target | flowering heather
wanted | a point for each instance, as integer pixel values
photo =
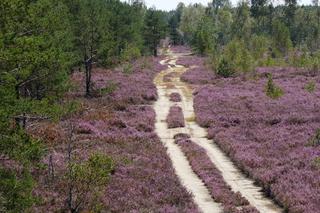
(144, 180)
(175, 97)
(189, 61)
(175, 118)
(268, 138)
(198, 75)
(139, 83)
(212, 178)
(122, 126)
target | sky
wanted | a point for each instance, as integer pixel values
(171, 4)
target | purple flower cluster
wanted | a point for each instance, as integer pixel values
(268, 138)
(175, 118)
(212, 178)
(197, 73)
(175, 97)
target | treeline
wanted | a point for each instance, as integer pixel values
(41, 42)
(255, 33)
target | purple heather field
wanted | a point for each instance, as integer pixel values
(267, 138)
(120, 123)
(212, 178)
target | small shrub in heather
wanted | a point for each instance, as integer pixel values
(175, 118)
(175, 97)
(211, 176)
(315, 140)
(272, 90)
(316, 162)
(224, 69)
(310, 86)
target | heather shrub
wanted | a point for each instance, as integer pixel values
(175, 97)
(211, 176)
(315, 140)
(272, 90)
(225, 68)
(175, 118)
(180, 136)
(311, 86)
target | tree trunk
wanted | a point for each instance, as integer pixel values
(88, 67)
(17, 89)
(155, 52)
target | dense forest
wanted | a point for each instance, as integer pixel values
(252, 34)
(44, 44)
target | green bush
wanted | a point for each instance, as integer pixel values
(237, 53)
(16, 190)
(281, 37)
(225, 69)
(310, 87)
(315, 140)
(314, 66)
(259, 46)
(300, 58)
(272, 90)
(316, 162)
(89, 177)
(130, 53)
